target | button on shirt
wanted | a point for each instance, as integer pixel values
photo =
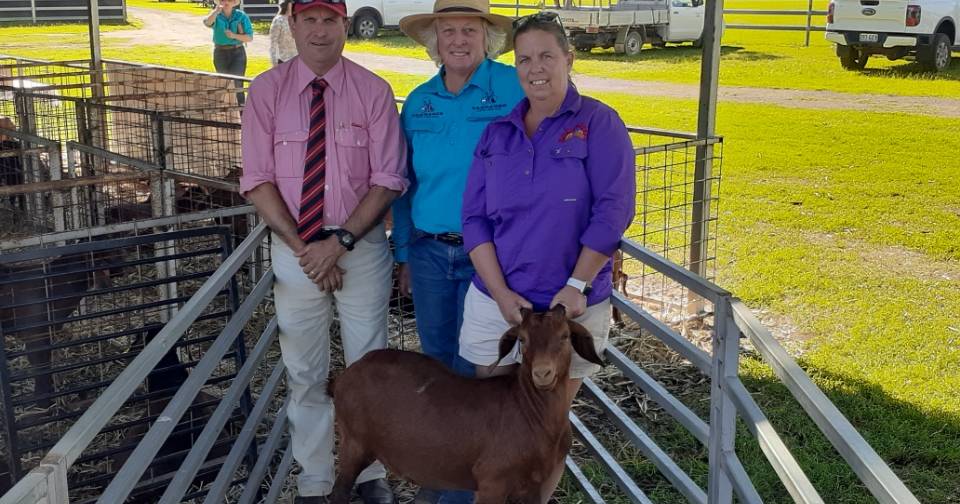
(238, 22)
(540, 200)
(365, 146)
(442, 130)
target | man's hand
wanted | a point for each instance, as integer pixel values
(572, 299)
(319, 262)
(510, 303)
(403, 280)
(229, 34)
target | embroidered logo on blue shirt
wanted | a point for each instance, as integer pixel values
(426, 110)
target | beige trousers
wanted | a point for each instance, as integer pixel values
(304, 314)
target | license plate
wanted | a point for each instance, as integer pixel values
(869, 37)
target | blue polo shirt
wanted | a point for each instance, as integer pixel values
(442, 130)
(236, 21)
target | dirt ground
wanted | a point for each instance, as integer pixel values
(171, 28)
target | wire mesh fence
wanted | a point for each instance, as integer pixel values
(72, 317)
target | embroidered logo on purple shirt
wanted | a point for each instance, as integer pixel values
(578, 131)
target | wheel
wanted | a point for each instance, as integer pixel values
(633, 43)
(936, 56)
(852, 59)
(366, 25)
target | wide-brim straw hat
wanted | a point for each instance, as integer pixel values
(414, 25)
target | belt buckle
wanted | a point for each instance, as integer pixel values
(452, 238)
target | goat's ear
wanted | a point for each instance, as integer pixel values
(507, 342)
(583, 343)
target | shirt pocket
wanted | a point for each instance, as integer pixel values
(353, 144)
(289, 149)
(508, 183)
(568, 180)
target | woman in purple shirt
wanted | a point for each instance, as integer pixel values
(550, 193)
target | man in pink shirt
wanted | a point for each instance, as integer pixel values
(323, 158)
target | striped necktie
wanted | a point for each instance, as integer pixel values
(314, 168)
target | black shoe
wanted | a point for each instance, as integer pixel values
(375, 492)
(313, 499)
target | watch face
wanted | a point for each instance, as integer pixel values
(346, 238)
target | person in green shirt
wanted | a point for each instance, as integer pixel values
(231, 29)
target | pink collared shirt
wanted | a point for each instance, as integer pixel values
(365, 145)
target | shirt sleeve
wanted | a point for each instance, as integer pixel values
(611, 165)
(388, 149)
(402, 209)
(257, 130)
(247, 25)
(477, 228)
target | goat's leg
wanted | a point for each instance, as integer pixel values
(354, 458)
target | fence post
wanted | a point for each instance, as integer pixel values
(33, 11)
(723, 413)
(809, 22)
(57, 481)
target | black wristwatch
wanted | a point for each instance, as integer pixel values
(346, 238)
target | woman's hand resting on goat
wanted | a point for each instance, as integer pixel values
(571, 299)
(510, 304)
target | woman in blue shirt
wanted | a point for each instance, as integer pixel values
(231, 29)
(442, 120)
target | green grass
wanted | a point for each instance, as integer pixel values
(182, 6)
(749, 58)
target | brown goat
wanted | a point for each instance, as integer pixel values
(501, 436)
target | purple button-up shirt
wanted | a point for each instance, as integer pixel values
(540, 200)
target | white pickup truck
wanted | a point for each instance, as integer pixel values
(626, 25)
(923, 29)
(368, 16)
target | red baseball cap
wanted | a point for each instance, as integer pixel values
(337, 6)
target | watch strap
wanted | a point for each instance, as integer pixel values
(580, 285)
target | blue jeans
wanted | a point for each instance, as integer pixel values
(440, 275)
(232, 61)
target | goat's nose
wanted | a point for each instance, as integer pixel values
(543, 374)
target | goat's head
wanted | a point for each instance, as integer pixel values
(546, 340)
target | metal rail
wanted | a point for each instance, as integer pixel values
(48, 481)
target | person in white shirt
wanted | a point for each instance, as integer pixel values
(282, 46)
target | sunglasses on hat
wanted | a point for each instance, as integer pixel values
(540, 17)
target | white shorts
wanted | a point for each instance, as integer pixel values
(483, 325)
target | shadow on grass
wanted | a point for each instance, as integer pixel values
(922, 449)
(914, 70)
(392, 39)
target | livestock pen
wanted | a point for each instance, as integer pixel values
(128, 176)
